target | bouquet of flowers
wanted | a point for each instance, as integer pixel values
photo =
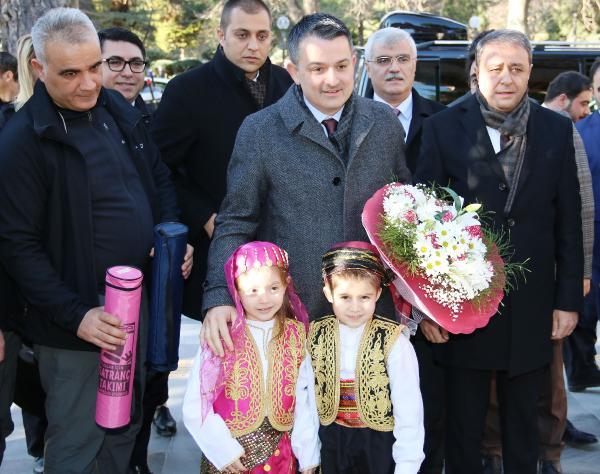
(447, 265)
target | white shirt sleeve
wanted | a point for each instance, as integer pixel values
(212, 436)
(409, 432)
(305, 434)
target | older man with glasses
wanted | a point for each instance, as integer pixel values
(391, 56)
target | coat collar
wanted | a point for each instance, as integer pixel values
(475, 128)
(421, 109)
(298, 119)
(48, 123)
(235, 76)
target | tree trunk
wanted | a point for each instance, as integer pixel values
(18, 16)
(517, 15)
(311, 6)
(294, 11)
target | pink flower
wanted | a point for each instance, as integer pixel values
(410, 216)
(474, 231)
(447, 217)
(434, 241)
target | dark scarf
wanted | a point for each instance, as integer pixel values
(512, 125)
(258, 88)
(341, 136)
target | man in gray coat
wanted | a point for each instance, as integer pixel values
(302, 170)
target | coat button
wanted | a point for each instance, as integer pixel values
(510, 222)
(267, 468)
(502, 186)
(336, 181)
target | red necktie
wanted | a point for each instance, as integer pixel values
(398, 112)
(330, 125)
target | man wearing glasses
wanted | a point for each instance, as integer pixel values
(391, 61)
(124, 64)
(124, 67)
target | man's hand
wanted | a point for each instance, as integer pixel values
(188, 261)
(101, 329)
(1, 346)
(235, 467)
(214, 328)
(433, 332)
(586, 286)
(209, 227)
(312, 470)
(563, 323)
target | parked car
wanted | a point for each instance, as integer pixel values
(153, 90)
(441, 63)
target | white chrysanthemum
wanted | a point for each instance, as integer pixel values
(396, 203)
(476, 247)
(423, 246)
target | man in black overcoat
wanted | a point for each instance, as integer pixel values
(199, 116)
(517, 159)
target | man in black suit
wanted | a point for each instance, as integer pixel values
(198, 118)
(391, 62)
(517, 159)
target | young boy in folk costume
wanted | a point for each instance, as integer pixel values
(240, 409)
(366, 375)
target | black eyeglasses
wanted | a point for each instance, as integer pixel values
(117, 64)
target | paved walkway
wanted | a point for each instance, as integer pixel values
(179, 454)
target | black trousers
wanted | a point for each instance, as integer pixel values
(431, 377)
(355, 450)
(155, 394)
(8, 376)
(468, 396)
(579, 349)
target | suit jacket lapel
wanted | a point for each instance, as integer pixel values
(475, 128)
(418, 114)
(299, 119)
(534, 136)
(362, 122)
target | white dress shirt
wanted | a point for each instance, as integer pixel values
(320, 116)
(213, 436)
(406, 110)
(494, 138)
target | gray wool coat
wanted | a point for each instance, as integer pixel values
(287, 184)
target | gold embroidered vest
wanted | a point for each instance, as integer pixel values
(373, 397)
(244, 403)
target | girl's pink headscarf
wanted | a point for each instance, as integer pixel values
(246, 257)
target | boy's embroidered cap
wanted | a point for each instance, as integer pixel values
(354, 255)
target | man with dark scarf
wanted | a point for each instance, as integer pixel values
(302, 170)
(517, 159)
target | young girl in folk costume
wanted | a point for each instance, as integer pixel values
(240, 409)
(366, 377)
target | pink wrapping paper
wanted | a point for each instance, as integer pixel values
(117, 368)
(471, 317)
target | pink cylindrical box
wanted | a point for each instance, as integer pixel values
(117, 368)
